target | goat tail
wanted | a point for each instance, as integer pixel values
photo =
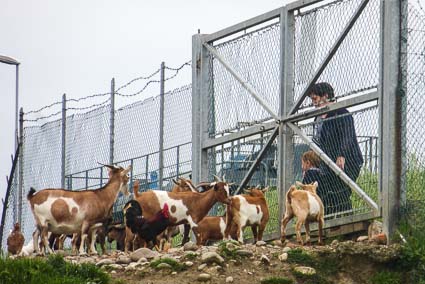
(289, 193)
(31, 193)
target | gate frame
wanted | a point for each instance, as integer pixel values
(389, 173)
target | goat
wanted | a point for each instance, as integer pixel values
(116, 233)
(212, 228)
(76, 212)
(248, 210)
(307, 206)
(185, 207)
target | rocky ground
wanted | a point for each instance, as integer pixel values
(339, 262)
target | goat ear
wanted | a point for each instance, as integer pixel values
(213, 184)
(127, 170)
(265, 189)
(216, 178)
(316, 184)
(297, 183)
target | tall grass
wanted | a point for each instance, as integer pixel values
(53, 270)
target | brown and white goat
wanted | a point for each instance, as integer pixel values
(307, 206)
(62, 211)
(185, 207)
(212, 228)
(248, 210)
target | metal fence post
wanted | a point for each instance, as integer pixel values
(390, 112)
(112, 124)
(161, 126)
(21, 164)
(285, 145)
(199, 109)
(63, 141)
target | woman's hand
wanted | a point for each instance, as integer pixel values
(340, 162)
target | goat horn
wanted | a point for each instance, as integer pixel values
(202, 184)
(175, 182)
(108, 166)
(216, 178)
(224, 178)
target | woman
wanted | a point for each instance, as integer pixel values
(335, 134)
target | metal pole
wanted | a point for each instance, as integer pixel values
(63, 140)
(16, 105)
(21, 164)
(178, 162)
(390, 113)
(112, 124)
(161, 126)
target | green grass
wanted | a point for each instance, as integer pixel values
(277, 280)
(175, 265)
(53, 270)
(386, 277)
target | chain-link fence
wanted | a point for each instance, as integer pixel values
(252, 114)
(63, 143)
(412, 91)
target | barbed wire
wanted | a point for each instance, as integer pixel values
(43, 117)
(137, 79)
(43, 108)
(90, 107)
(88, 97)
(188, 63)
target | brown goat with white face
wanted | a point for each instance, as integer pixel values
(307, 206)
(62, 211)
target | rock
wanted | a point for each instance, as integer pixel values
(143, 252)
(260, 243)
(283, 256)
(204, 277)
(244, 253)
(87, 260)
(305, 270)
(211, 257)
(229, 279)
(188, 263)
(133, 266)
(362, 238)
(190, 246)
(122, 259)
(232, 246)
(142, 260)
(115, 266)
(105, 261)
(163, 266)
(202, 266)
(277, 243)
(286, 249)
(264, 259)
(334, 243)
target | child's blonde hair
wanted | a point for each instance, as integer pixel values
(311, 157)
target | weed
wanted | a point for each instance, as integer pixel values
(175, 265)
(386, 277)
(277, 280)
(301, 257)
(229, 249)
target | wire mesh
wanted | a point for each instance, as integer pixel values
(355, 65)
(411, 91)
(255, 56)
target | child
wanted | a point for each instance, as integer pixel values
(310, 162)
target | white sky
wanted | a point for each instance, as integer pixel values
(76, 47)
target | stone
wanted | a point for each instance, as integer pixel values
(143, 252)
(283, 256)
(286, 249)
(305, 270)
(202, 266)
(190, 246)
(244, 253)
(163, 266)
(211, 257)
(188, 263)
(264, 259)
(229, 279)
(105, 261)
(115, 266)
(122, 259)
(260, 243)
(204, 277)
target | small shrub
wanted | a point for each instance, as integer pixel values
(227, 251)
(175, 265)
(386, 277)
(299, 256)
(277, 280)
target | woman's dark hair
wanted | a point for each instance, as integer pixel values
(323, 88)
